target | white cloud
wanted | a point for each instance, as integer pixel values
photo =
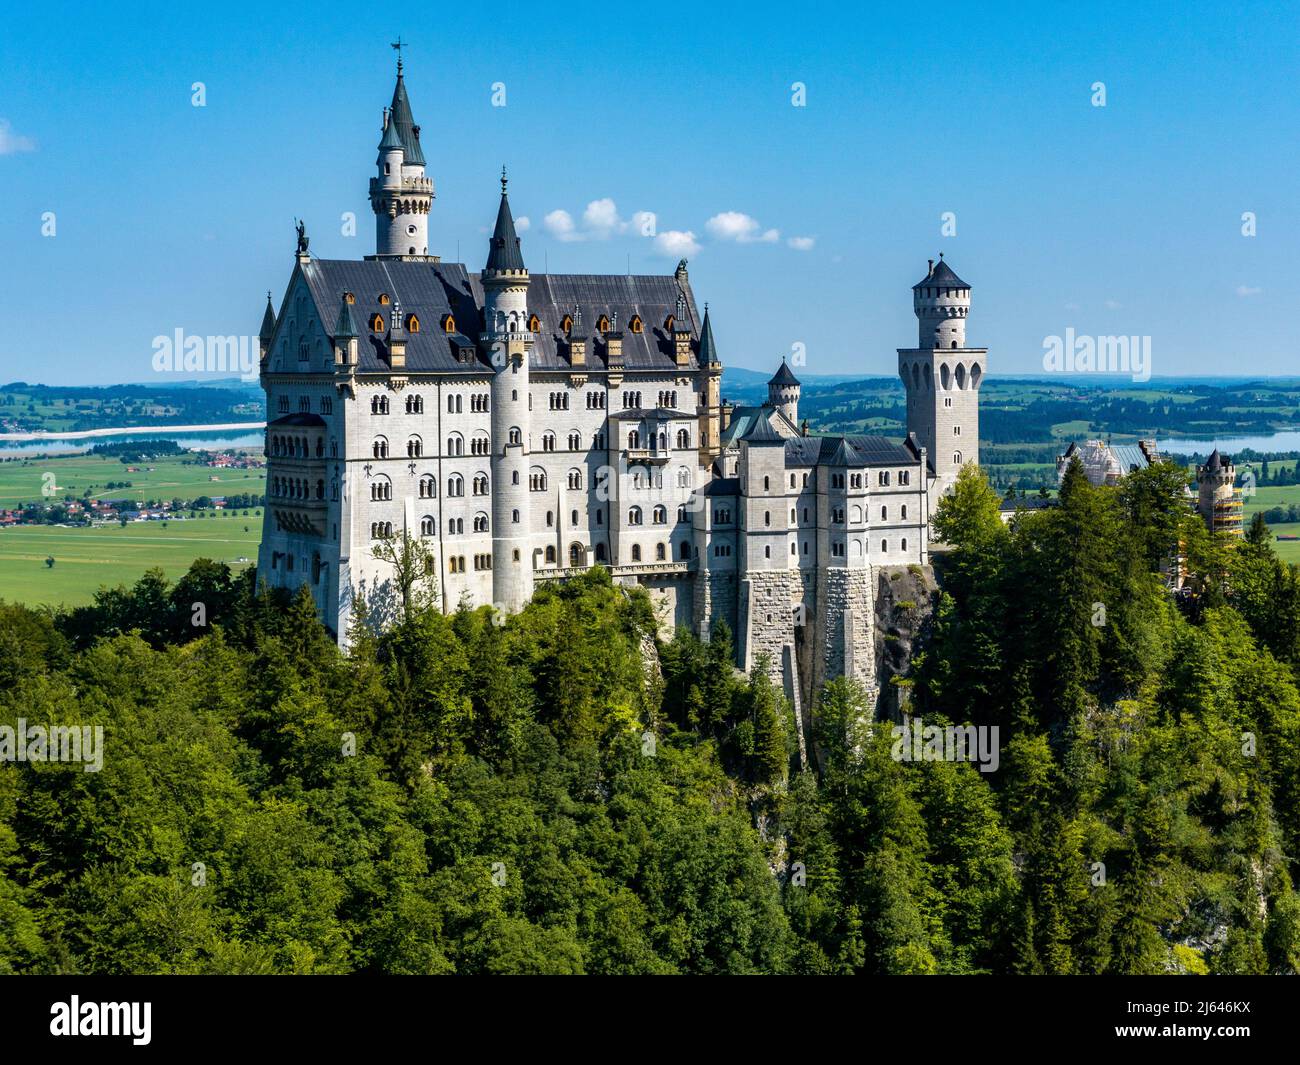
(1247, 290)
(522, 224)
(11, 143)
(802, 243)
(600, 221)
(733, 225)
(559, 224)
(676, 243)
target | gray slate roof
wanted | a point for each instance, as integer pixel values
(784, 376)
(942, 274)
(503, 245)
(433, 290)
(858, 451)
(405, 124)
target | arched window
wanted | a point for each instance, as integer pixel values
(661, 515)
(636, 552)
(633, 440)
(956, 458)
(428, 487)
(412, 323)
(537, 479)
(576, 555)
(448, 324)
(480, 523)
(427, 526)
(455, 485)
(634, 516)
(548, 441)
(550, 554)
(534, 324)
(480, 484)
(384, 299)
(515, 436)
(380, 448)
(635, 323)
(376, 323)
(602, 324)
(566, 324)
(455, 444)
(684, 441)
(660, 552)
(686, 550)
(575, 479)
(414, 448)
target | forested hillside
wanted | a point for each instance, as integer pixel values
(562, 793)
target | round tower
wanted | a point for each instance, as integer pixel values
(400, 194)
(507, 342)
(1217, 500)
(941, 301)
(783, 393)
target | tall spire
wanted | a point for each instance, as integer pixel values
(401, 118)
(268, 321)
(708, 349)
(503, 248)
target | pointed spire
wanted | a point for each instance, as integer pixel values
(400, 118)
(344, 328)
(390, 139)
(708, 349)
(503, 248)
(268, 321)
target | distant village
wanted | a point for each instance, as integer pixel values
(90, 510)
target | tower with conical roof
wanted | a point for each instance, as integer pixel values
(506, 342)
(783, 393)
(1217, 499)
(710, 389)
(942, 376)
(400, 194)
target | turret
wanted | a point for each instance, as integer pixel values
(268, 329)
(941, 301)
(345, 337)
(942, 376)
(400, 194)
(783, 393)
(712, 423)
(1218, 501)
(506, 342)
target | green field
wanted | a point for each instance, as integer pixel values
(86, 559)
(21, 480)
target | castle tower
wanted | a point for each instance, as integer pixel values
(710, 390)
(783, 393)
(942, 376)
(1218, 501)
(400, 194)
(506, 341)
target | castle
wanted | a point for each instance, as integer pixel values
(528, 426)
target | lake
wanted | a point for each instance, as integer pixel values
(194, 440)
(1285, 440)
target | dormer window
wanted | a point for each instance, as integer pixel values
(376, 323)
(412, 323)
(384, 299)
(636, 323)
(448, 324)
(534, 324)
(602, 324)
(350, 297)
(566, 324)
(669, 323)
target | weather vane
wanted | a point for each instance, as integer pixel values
(397, 46)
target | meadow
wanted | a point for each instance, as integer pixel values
(88, 558)
(21, 480)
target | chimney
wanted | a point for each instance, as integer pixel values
(396, 340)
(577, 340)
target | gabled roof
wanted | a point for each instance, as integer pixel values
(402, 120)
(432, 290)
(807, 451)
(941, 274)
(761, 432)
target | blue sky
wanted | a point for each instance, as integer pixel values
(1123, 219)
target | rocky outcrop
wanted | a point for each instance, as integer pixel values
(906, 598)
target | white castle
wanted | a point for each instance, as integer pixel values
(526, 427)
